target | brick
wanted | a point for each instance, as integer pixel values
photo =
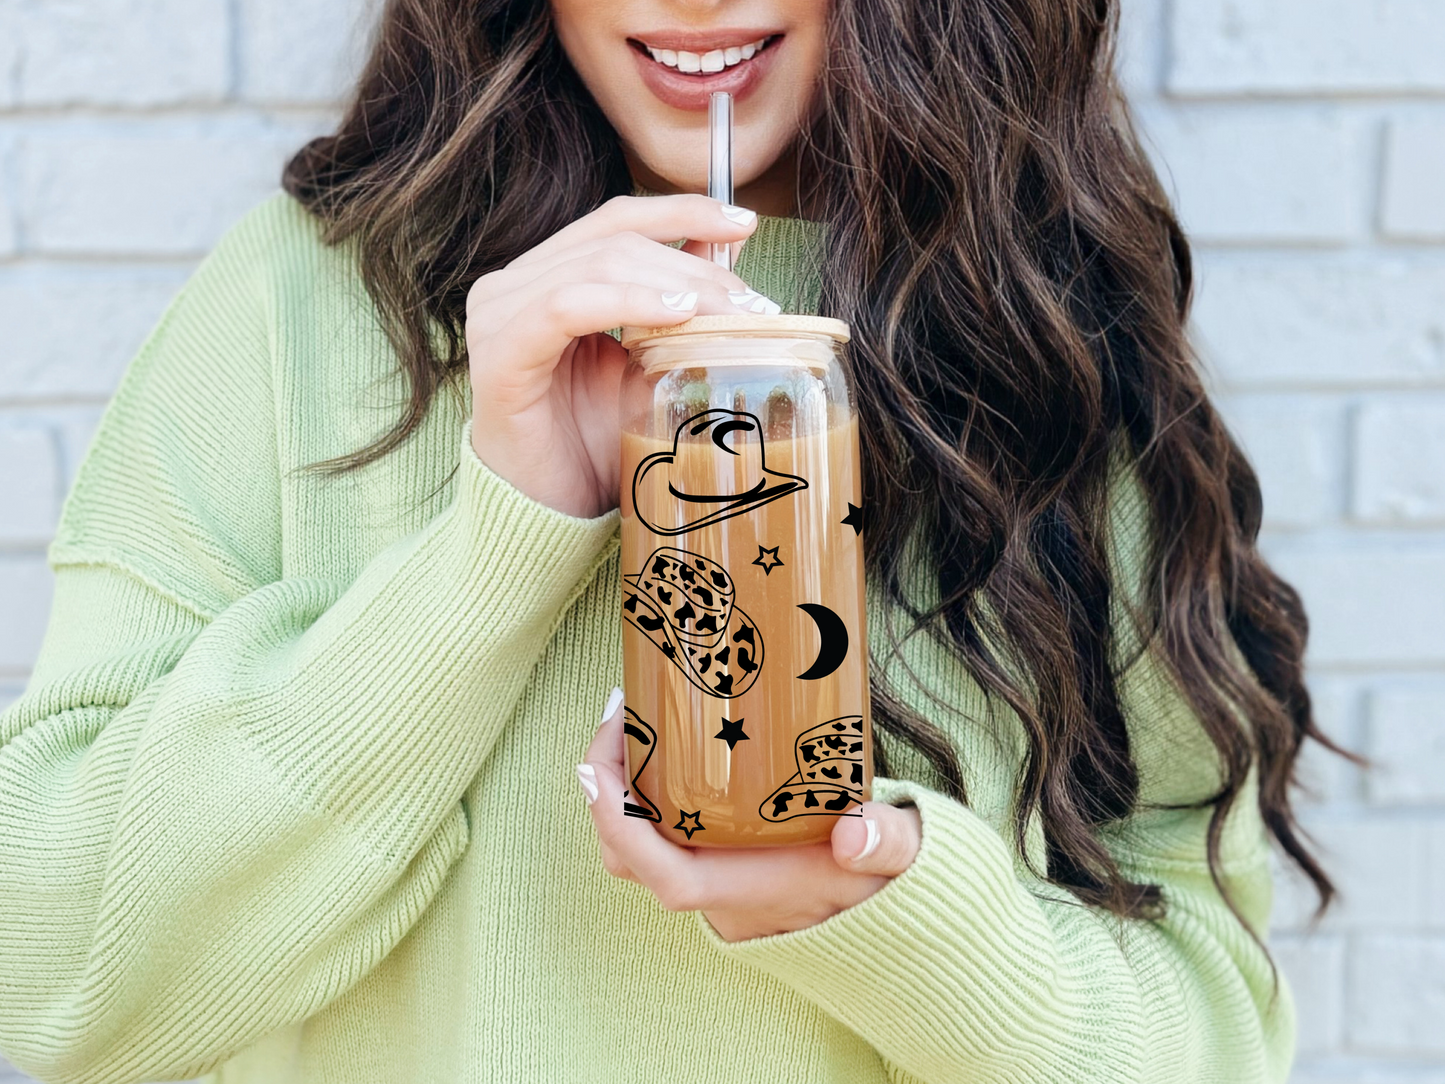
(29, 483)
(1399, 474)
(73, 424)
(155, 186)
(25, 587)
(1397, 995)
(11, 44)
(1139, 60)
(1379, 866)
(1297, 46)
(122, 52)
(1406, 742)
(1315, 969)
(9, 238)
(1435, 877)
(1412, 207)
(1375, 604)
(9, 235)
(1352, 1069)
(294, 52)
(1296, 446)
(1327, 778)
(1248, 175)
(1304, 321)
(70, 330)
(76, 427)
(11, 1075)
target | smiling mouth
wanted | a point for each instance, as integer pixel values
(708, 63)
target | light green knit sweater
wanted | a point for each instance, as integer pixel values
(290, 797)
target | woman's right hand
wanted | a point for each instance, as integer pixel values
(544, 372)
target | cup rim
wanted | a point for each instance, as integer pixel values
(750, 325)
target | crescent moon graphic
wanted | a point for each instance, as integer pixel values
(832, 641)
(722, 429)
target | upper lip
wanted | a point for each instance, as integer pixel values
(703, 41)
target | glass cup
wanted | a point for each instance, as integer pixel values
(744, 643)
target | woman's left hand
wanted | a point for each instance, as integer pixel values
(744, 892)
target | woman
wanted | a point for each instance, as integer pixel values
(291, 795)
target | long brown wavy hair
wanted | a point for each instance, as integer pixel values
(1018, 288)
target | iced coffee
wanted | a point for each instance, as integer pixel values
(743, 633)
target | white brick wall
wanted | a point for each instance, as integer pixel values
(1302, 48)
(1399, 450)
(1305, 142)
(1414, 165)
(121, 52)
(132, 133)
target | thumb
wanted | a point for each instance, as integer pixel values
(883, 841)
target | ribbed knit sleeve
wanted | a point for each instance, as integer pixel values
(970, 968)
(229, 792)
(966, 968)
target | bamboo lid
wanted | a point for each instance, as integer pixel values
(836, 330)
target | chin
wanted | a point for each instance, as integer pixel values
(681, 172)
(684, 166)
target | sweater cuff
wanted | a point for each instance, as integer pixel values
(415, 666)
(950, 970)
(546, 552)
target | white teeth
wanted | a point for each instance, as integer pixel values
(708, 63)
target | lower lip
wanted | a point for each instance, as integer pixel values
(692, 92)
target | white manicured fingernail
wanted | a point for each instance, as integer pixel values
(752, 301)
(681, 302)
(741, 215)
(870, 843)
(614, 698)
(587, 776)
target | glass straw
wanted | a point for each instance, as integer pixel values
(720, 164)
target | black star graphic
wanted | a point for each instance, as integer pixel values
(854, 518)
(768, 560)
(695, 826)
(732, 732)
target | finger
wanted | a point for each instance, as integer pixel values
(606, 748)
(497, 297)
(606, 745)
(614, 865)
(714, 293)
(883, 841)
(534, 336)
(719, 291)
(625, 247)
(607, 752)
(663, 867)
(660, 218)
(700, 249)
(713, 296)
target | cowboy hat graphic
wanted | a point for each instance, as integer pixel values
(683, 603)
(665, 503)
(829, 778)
